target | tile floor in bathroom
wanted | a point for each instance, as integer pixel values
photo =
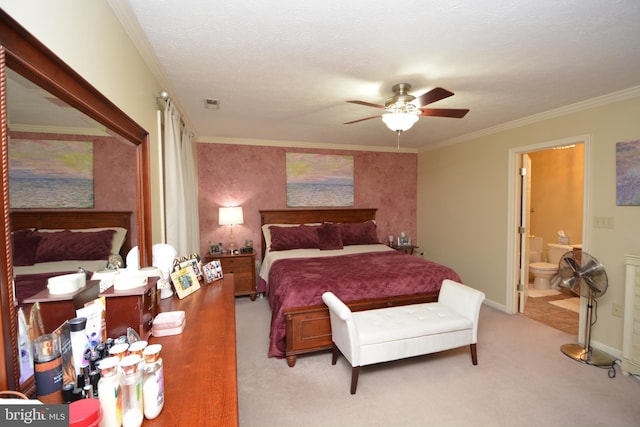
(560, 318)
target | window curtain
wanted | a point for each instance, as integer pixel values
(181, 188)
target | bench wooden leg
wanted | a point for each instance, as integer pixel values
(474, 354)
(354, 378)
(335, 351)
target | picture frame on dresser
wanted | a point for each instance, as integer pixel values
(185, 281)
(212, 271)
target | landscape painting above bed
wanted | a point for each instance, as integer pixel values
(50, 174)
(319, 180)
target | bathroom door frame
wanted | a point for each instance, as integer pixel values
(513, 217)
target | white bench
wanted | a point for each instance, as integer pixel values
(392, 333)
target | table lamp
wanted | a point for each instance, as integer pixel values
(230, 216)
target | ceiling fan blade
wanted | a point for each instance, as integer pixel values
(367, 104)
(360, 120)
(455, 113)
(432, 96)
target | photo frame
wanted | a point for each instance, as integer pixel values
(212, 271)
(404, 241)
(193, 260)
(185, 281)
(215, 248)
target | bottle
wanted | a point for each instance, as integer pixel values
(79, 342)
(152, 381)
(24, 346)
(109, 393)
(131, 386)
(48, 368)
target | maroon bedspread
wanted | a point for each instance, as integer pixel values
(301, 282)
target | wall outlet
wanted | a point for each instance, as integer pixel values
(617, 310)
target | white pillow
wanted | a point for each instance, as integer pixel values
(116, 242)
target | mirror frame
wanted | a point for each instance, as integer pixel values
(26, 55)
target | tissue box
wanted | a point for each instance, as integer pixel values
(563, 240)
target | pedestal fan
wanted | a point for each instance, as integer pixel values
(585, 277)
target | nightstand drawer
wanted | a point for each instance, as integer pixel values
(237, 263)
(242, 266)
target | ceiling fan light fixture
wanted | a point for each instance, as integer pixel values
(399, 122)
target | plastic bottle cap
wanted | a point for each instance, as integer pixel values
(85, 413)
(77, 324)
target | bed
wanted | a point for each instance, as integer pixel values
(50, 243)
(296, 270)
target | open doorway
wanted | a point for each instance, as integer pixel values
(549, 203)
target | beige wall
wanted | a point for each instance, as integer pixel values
(463, 198)
(557, 188)
(89, 38)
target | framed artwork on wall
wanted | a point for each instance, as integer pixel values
(50, 174)
(628, 173)
(319, 180)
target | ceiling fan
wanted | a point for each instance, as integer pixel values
(403, 109)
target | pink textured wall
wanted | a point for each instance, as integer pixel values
(254, 177)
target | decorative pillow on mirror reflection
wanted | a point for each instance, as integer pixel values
(24, 245)
(67, 245)
(116, 242)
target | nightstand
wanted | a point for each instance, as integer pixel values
(407, 249)
(243, 267)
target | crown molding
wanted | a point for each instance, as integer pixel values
(301, 144)
(599, 101)
(130, 24)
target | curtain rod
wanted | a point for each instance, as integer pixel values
(161, 100)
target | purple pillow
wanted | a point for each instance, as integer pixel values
(300, 237)
(68, 245)
(359, 233)
(329, 237)
(25, 245)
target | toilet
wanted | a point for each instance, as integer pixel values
(543, 272)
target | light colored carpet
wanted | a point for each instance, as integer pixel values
(537, 293)
(522, 379)
(572, 304)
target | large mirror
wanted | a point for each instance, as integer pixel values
(42, 99)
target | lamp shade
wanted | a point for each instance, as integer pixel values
(399, 122)
(230, 216)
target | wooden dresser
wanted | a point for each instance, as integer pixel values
(200, 373)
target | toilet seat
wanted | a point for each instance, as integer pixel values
(542, 266)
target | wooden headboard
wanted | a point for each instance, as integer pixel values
(74, 220)
(306, 216)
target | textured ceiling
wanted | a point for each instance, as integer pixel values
(283, 70)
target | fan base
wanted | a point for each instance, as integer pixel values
(594, 357)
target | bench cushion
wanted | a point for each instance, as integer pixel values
(405, 322)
